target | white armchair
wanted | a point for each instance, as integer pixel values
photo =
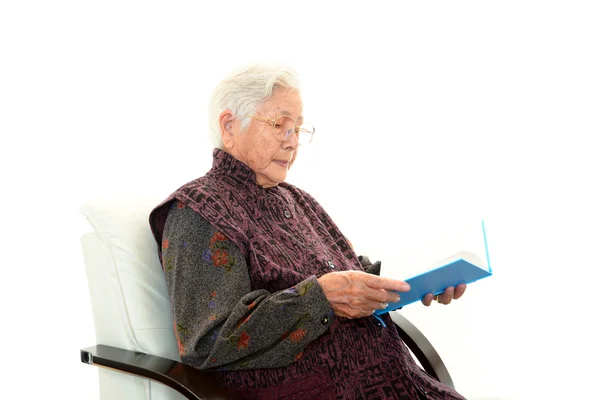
(136, 345)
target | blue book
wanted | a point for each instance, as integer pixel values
(461, 267)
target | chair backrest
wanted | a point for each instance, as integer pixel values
(128, 292)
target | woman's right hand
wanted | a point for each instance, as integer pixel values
(356, 294)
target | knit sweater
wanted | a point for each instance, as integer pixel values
(241, 264)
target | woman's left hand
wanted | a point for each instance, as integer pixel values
(451, 293)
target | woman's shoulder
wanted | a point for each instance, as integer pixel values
(200, 188)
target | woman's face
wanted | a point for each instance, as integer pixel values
(269, 157)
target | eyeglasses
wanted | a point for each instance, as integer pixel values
(284, 127)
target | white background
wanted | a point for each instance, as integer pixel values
(478, 106)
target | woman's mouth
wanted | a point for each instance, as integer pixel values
(283, 163)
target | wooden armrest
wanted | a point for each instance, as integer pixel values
(192, 383)
(422, 349)
(195, 384)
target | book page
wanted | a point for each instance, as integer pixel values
(425, 243)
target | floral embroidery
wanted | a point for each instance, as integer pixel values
(165, 244)
(298, 356)
(180, 205)
(251, 305)
(240, 341)
(243, 321)
(301, 290)
(207, 255)
(243, 340)
(180, 331)
(217, 237)
(304, 288)
(169, 264)
(211, 300)
(212, 304)
(213, 360)
(220, 258)
(218, 253)
(297, 335)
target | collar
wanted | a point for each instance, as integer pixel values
(239, 172)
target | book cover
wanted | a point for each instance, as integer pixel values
(464, 266)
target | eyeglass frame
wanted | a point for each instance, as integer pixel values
(288, 134)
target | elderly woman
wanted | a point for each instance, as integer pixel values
(264, 287)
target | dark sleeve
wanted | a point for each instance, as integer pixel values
(219, 321)
(371, 268)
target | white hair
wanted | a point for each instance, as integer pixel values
(244, 91)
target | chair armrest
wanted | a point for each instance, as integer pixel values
(192, 383)
(422, 349)
(195, 384)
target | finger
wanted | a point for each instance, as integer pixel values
(377, 282)
(447, 296)
(367, 312)
(427, 299)
(365, 304)
(381, 295)
(459, 290)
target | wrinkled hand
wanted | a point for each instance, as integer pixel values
(356, 294)
(447, 296)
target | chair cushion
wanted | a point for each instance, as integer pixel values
(129, 294)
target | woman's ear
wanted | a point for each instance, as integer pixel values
(226, 123)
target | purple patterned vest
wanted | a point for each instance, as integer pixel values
(286, 237)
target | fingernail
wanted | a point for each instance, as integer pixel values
(384, 305)
(397, 299)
